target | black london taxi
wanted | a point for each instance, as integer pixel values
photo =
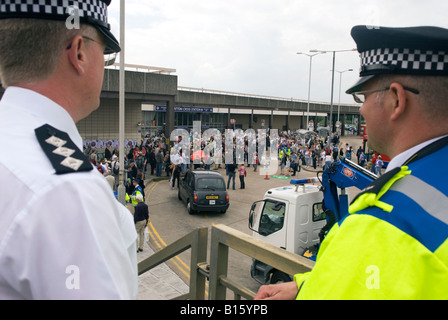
(203, 190)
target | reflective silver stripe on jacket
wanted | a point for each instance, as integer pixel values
(426, 196)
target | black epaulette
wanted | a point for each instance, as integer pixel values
(64, 155)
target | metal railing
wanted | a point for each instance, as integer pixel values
(223, 238)
(252, 95)
(148, 69)
(197, 241)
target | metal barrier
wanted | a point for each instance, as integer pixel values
(223, 238)
(197, 241)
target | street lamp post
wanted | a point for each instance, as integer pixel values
(332, 79)
(309, 85)
(340, 87)
(121, 187)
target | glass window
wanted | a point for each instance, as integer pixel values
(318, 212)
(187, 179)
(218, 121)
(206, 119)
(211, 184)
(272, 217)
(183, 119)
(191, 181)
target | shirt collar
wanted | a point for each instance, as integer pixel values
(41, 107)
(400, 159)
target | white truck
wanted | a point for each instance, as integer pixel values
(297, 217)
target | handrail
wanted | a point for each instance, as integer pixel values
(149, 69)
(223, 238)
(252, 95)
(197, 241)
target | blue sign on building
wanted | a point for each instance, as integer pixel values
(186, 109)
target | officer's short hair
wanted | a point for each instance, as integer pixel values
(30, 48)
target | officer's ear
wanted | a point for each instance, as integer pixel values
(76, 53)
(397, 101)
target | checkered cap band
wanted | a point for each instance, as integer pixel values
(403, 60)
(94, 9)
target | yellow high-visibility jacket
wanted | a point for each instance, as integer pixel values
(393, 244)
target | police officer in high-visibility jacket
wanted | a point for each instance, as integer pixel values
(137, 190)
(393, 244)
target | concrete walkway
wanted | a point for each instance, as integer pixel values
(159, 283)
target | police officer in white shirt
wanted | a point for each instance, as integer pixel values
(62, 233)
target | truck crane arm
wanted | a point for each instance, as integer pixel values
(340, 174)
(343, 174)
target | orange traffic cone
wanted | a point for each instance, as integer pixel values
(267, 177)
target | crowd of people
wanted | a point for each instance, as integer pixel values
(152, 156)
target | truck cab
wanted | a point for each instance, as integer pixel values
(291, 218)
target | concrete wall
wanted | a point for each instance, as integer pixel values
(294, 122)
(103, 123)
(141, 82)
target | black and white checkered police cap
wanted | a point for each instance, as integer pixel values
(404, 51)
(93, 12)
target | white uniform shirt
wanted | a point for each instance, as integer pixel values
(61, 236)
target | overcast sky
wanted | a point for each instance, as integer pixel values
(250, 46)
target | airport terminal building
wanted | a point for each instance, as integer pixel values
(154, 103)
